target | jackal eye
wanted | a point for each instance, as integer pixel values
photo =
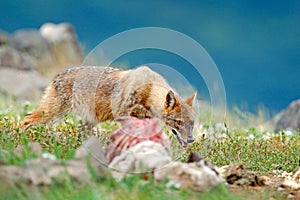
(174, 132)
(177, 122)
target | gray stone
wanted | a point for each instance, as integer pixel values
(31, 42)
(63, 41)
(92, 152)
(197, 176)
(42, 171)
(21, 84)
(10, 57)
(289, 118)
(238, 174)
(35, 148)
(91, 147)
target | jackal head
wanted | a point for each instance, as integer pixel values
(179, 116)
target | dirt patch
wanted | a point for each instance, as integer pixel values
(241, 180)
(238, 174)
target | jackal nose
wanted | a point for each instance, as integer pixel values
(190, 140)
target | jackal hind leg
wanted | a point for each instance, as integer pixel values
(50, 107)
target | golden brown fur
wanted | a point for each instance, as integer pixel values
(103, 93)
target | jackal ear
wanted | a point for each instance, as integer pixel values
(171, 101)
(189, 101)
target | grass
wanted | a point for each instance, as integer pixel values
(261, 151)
(259, 154)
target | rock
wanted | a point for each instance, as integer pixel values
(194, 157)
(139, 146)
(27, 53)
(91, 147)
(64, 42)
(42, 171)
(9, 57)
(22, 84)
(35, 148)
(238, 174)
(198, 176)
(289, 118)
(292, 180)
(142, 158)
(92, 152)
(4, 38)
(79, 171)
(31, 42)
(47, 171)
(11, 173)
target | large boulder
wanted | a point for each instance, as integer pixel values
(28, 54)
(21, 84)
(31, 42)
(289, 118)
(10, 57)
(63, 41)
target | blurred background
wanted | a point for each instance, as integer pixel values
(255, 44)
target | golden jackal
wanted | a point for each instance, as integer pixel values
(104, 93)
